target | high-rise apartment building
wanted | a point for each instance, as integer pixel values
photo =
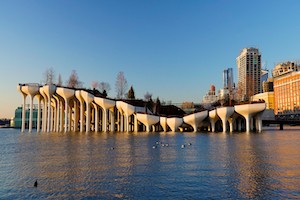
(249, 72)
(228, 78)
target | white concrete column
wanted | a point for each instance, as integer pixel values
(96, 117)
(70, 118)
(230, 120)
(81, 101)
(88, 117)
(104, 120)
(248, 126)
(112, 121)
(122, 122)
(45, 107)
(66, 114)
(23, 113)
(30, 113)
(38, 123)
(76, 117)
(135, 123)
(61, 114)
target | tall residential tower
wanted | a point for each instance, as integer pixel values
(249, 72)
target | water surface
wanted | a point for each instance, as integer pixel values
(126, 166)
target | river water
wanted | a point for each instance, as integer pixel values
(150, 165)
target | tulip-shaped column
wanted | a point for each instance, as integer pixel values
(23, 107)
(107, 105)
(174, 123)
(224, 113)
(81, 101)
(128, 111)
(96, 116)
(147, 120)
(45, 105)
(88, 98)
(49, 90)
(248, 111)
(67, 94)
(31, 90)
(195, 119)
(213, 118)
(163, 123)
(38, 123)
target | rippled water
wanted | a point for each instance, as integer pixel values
(126, 166)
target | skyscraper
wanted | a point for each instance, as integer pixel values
(228, 78)
(249, 72)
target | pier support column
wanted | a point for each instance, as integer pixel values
(23, 112)
(96, 117)
(38, 123)
(135, 123)
(112, 128)
(30, 113)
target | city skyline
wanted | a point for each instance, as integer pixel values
(171, 49)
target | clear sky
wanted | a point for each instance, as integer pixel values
(172, 49)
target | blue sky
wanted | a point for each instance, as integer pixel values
(172, 49)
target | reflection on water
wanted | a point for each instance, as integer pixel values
(126, 166)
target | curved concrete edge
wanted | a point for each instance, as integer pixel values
(87, 97)
(163, 123)
(225, 112)
(213, 114)
(30, 89)
(65, 92)
(195, 118)
(104, 103)
(49, 90)
(147, 120)
(250, 109)
(126, 108)
(174, 123)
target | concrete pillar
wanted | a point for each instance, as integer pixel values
(61, 119)
(213, 118)
(135, 123)
(224, 113)
(76, 116)
(23, 113)
(249, 110)
(96, 117)
(38, 125)
(112, 128)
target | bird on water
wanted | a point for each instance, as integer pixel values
(35, 183)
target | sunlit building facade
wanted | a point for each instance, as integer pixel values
(286, 88)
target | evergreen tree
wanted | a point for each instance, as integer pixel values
(131, 94)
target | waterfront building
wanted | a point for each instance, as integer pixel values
(286, 88)
(210, 96)
(249, 72)
(18, 116)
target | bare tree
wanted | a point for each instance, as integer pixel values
(59, 82)
(147, 96)
(73, 81)
(95, 84)
(104, 86)
(49, 76)
(121, 85)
